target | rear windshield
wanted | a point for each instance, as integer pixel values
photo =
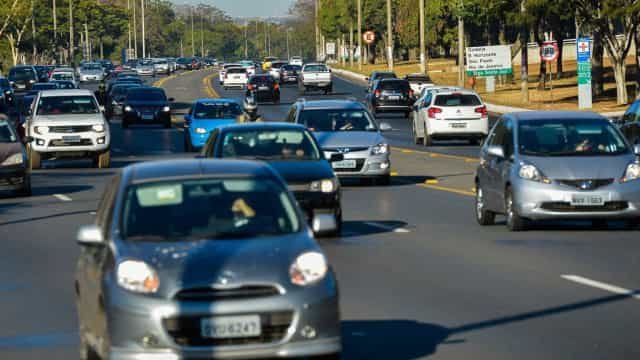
(292, 67)
(316, 68)
(122, 89)
(146, 95)
(44, 86)
(91, 67)
(57, 105)
(278, 65)
(457, 100)
(62, 76)
(380, 76)
(262, 80)
(419, 79)
(394, 85)
(216, 110)
(237, 71)
(64, 85)
(21, 74)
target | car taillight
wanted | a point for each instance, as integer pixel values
(431, 113)
(410, 93)
(276, 86)
(377, 93)
(251, 87)
(482, 110)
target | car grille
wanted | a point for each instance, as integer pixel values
(586, 184)
(346, 149)
(359, 165)
(211, 294)
(562, 206)
(185, 331)
(70, 129)
(60, 142)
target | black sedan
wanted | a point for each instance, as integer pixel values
(293, 151)
(146, 105)
(116, 97)
(390, 95)
(289, 73)
(14, 168)
(264, 88)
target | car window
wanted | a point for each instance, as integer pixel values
(122, 89)
(216, 110)
(291, 116)
(57, 105)
(207, 209)
(269, 144)
(337, 120)
(445, 100)
(21, 74)
(507, 140)
(569, 137)
(7, 135)
(394, 85)
(62, 76)
(315, 68)
(237, 71)
(44, 86)
(496, 137)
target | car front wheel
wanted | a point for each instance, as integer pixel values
(514, 221)
(35, 159)
(102, 160)
(483, 216)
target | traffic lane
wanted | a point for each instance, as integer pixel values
(488, 292)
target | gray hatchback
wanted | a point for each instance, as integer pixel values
(557, 165)
(201, 259)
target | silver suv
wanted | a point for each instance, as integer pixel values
(346, 127)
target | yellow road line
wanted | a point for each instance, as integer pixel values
(434, 154)
(206, 81)
(394, 173)
(431, 181)
(447, 189)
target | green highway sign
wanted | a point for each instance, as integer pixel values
(493, 72)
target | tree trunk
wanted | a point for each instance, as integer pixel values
(559, 67)
(637, 44)
(620, 72)
(597, 73)
(101, 48)
(542, 80)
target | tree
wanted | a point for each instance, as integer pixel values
(17, 26)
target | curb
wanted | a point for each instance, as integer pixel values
(492, 108)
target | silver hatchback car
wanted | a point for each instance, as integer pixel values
(557, 165)
(201, 259)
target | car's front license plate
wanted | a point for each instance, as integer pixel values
(226, 327)
(344, 164)
(587, 200)
(71, 139)
(393, 97)
(458, 125)
(147, 116)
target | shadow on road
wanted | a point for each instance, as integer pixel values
(59, 189)
(364, 228)
(38, 218)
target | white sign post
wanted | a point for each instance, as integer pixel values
(484, 61)
(331, 48)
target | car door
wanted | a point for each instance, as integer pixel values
(489, 167)
(421, 125)
(503, 165)
(630, 123)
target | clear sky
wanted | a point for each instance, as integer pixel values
(246, 8)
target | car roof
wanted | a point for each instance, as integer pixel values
(555, 115)
(66, 92)
(195, 168)
(449, 91)
(217, 101)
(314, 64)
(331, 104)
(262, 126)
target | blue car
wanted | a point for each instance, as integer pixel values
(205, 116)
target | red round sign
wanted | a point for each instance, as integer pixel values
(369, 37)
(549, 51)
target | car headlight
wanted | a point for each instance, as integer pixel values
(15, 159)
(137, 276)
(128, 108)
(308, 269)
(324, 185)
(42, 130)
(166, 109)
(632, 172)
(201, 130)
(380, 149)
(530, 172)
(98, 128)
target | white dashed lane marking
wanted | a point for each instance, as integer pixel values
(62, 197)
(602, 286)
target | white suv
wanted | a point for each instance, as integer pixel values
(68, 123)
(235, 77)
(446, 114)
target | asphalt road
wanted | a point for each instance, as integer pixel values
(418, 278)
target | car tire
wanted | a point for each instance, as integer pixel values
(416, 139)
(513, 220)
(26, 187)
(102, 160)
(125, 124)
(384, 180)
(484, 217)
(406, 114)
(35, 159)
(167, 124)
(187, 145)
(336, 356)
(427, 140)
(86, 351)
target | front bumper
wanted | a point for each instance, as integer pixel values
(392, 107)
(452, 128)
(77, 142)
(88, 78)
(537, 201)
(156, 117)
(13, 177)
(314, 202)
(133, 317)
(367, 165)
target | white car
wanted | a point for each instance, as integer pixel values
(296, 60)
(236, 77)
(417, 82)
(446, 114)
(91, 72)
(64, 74)
(275, 69)
(161, 66)
(223, 72)
(68, 123)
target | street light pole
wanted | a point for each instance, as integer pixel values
(128, 26)
(246, 41)
(201, 35)
(461, 46)
(423, 58)
(144, 39)
(359, 35)
(193, 41)
(135, 31)
(389, 37)
(317, 5)
(288, 52)
(71, 52)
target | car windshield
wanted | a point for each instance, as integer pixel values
(4, 83)
(292, 67)
(146, 95)
(270, 144)
(62, 76)
(216, 110)
(21, 74)
(401, 85)
(569, 138)
(207, 209)
(337, 120)
(457, 100)
(315, 68)
(120, 90)
(64, 85)
(7, 135)
(57, 105)
(45, 86)
(91, 67)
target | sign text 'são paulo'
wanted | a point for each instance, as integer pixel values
(489, 60)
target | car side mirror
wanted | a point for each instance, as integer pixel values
(636, 149)
(27, 139)
(171, 99)
(385, 127)
(323, 224)
(366, 78)
(90, 235)
(336, 157)
(496, 150)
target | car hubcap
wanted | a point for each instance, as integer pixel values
(479, 203)
(509, 209)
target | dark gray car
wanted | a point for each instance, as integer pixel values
(204, 259)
